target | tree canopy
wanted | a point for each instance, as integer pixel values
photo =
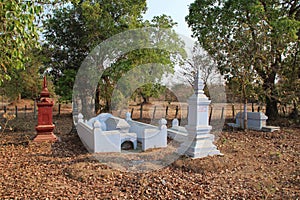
(18, 33)
(75, 30)
(251, 40)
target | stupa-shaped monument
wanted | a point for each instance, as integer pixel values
(45, 125)
(199, 140)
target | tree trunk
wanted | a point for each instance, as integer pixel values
(107, 94)
(271, 108)
(271, 101)
(145, 99)
(84, 109)
(86, 105)
(97, 100)
(206, 90)
(108, 104)
(245, 115)
(245, 121)
(295, 112)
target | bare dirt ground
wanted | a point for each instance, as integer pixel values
(255, 165)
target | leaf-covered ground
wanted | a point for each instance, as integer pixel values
(255, 165)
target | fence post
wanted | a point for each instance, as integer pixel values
(132, 109)
(34, 109)
(167, 108)
(222, 113)
(210, 114)
(141, 111)
(233, 111)
(59, 106)
(16, 108)
(252, 104)
(176, 112)
(154, 111)
(25, 108)
(187, 111)
(5, 109)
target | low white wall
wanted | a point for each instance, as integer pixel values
(107, 141)
(150, 136)
(96, 140)
(86, 135)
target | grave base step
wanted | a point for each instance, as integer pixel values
(270, 128)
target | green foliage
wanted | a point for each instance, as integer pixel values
(27, 83)
(23, 84)
(145, 67)
(250, 40)
(18, 33)
(289, 83)
(75, 30)
(150, 90)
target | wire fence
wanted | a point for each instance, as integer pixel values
(32, 110)
(154, 111)
(180, 111)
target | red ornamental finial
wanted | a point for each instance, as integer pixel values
(45, 92)
(45, 82)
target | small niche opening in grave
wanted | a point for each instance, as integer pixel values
(127, 145)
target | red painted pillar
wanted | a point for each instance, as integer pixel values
(45, 125)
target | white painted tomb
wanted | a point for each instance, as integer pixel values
(255, 121)
(106, 133)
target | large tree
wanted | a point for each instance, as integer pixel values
(207, 67)
(289, 83)
(251, 40)
(74, 31)
(18, 33)
(166, 59)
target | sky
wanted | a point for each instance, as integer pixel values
(177, 9)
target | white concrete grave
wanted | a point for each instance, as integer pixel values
(115, 123)
(106, 133)
(255, 121)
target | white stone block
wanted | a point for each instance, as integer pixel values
(255, 120)
(115, 123)
(154, 138)
(108, 141)
(175, 123)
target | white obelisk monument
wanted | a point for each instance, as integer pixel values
(199, 141)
